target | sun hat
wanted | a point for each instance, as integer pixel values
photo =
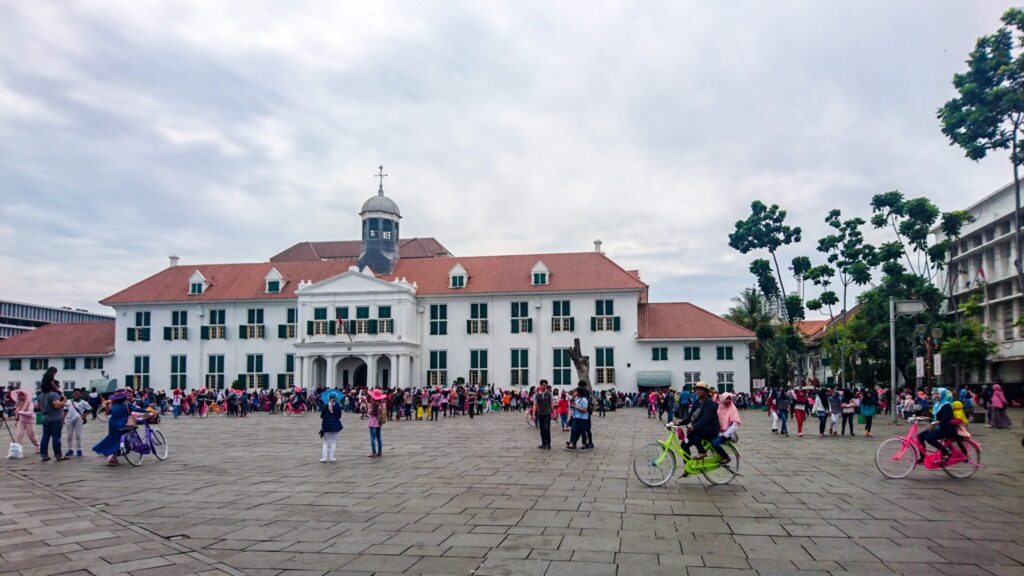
(328, 394)
(120, 394)
(17, 394)
(702, 384)
(377, 394)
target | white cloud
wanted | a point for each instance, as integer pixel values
(137, 129)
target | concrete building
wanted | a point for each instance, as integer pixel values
(18, 317)
(981, 263)
(383, 317)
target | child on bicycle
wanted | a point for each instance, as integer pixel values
(728, 423)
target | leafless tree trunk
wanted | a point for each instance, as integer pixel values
(581, 362)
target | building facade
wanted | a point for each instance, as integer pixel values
(383, 319)
(19, 317)
(981, 264)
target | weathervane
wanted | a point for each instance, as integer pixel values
(381, 175)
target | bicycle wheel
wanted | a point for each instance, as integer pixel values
(725, 474)
(966, 468)
(102, 414)
(647, 467)
(159, 445)
(895, 458)
(133, 456)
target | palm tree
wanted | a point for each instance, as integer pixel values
(750, 312)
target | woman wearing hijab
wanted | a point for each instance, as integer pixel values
(25, 414)
(110, 446)
(999, 417)
(942, 427)
(800, 407)
(728, 423)
(330, 424)
(868, 408)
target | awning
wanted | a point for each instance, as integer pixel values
(653, 379)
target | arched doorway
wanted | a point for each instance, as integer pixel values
(350, 371)
(319, 376)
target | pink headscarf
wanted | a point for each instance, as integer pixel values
(727, 414)
(998, 398)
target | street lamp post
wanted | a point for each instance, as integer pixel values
(903, 308)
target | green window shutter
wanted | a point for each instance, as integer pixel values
(593, 323)
(654, 354)
(515, 326)
(167, 332)
(281, 380)
(282, 330)
(572, 324)
(443, 328)
(529, 325)
(372, 326)
(242, 332)
(204, 332)
(384, 312)
(362, 312)
(131, 334)
(320, 313)
(468, 324)
(292, 315)
(264, 381)
(617, 323)
(144, 334)
(332, 328)
(599, 307)
(309, 327)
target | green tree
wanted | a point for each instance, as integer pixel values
(969, 347)
(766, 229)
(988, 113)
(750, 311)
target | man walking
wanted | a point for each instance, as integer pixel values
(542, 406)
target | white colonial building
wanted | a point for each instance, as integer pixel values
(387, 312)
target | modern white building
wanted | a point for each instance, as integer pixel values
(981, 263)
(388, 318)
(20, 317)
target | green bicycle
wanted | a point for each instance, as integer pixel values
(655, 462)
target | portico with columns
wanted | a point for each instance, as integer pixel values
(357, 330)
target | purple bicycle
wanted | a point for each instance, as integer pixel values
(134, 447)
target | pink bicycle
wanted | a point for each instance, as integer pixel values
(897, 457)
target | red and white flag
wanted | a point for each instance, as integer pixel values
(979, 278)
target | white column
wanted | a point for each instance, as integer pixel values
(330, 380)
(397, 371)
(371, 371)
(302, 376)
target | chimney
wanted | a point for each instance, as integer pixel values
(174, 261)
(597, 246)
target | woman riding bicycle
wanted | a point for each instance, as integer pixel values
(942, 427)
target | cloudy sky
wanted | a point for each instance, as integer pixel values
(225, 132)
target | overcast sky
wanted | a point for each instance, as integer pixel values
(226, 132)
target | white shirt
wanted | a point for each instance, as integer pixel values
(76, 415)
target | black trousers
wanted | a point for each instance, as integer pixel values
(544, 423)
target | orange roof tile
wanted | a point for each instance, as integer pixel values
(350, 249)
(808, 328)
(682, 320)
(77, 339)
(486, 274)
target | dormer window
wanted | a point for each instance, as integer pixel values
(274, 282)
(539, 274)
(457, 277)
(197, 283)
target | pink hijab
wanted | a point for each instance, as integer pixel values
(998, 398)
(727, 414)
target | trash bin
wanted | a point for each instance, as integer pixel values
(39, 418)
(860, 419)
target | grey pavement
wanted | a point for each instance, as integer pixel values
(461, 496)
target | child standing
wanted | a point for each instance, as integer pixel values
(26, 417)
(376, 443)
(77, 410)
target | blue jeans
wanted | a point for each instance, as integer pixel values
(177, 410)
(51, 431)
(376, 444)
(783, 416)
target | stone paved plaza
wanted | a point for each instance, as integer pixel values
(463, 496)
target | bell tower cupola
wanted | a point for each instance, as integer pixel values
(380, 231)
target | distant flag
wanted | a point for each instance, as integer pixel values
(979, 277)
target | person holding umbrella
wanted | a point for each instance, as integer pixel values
(330, 422)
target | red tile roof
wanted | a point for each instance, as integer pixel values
(808, 328)
(486, 274)
(681, 320)
(78, 339)
(350, 249)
